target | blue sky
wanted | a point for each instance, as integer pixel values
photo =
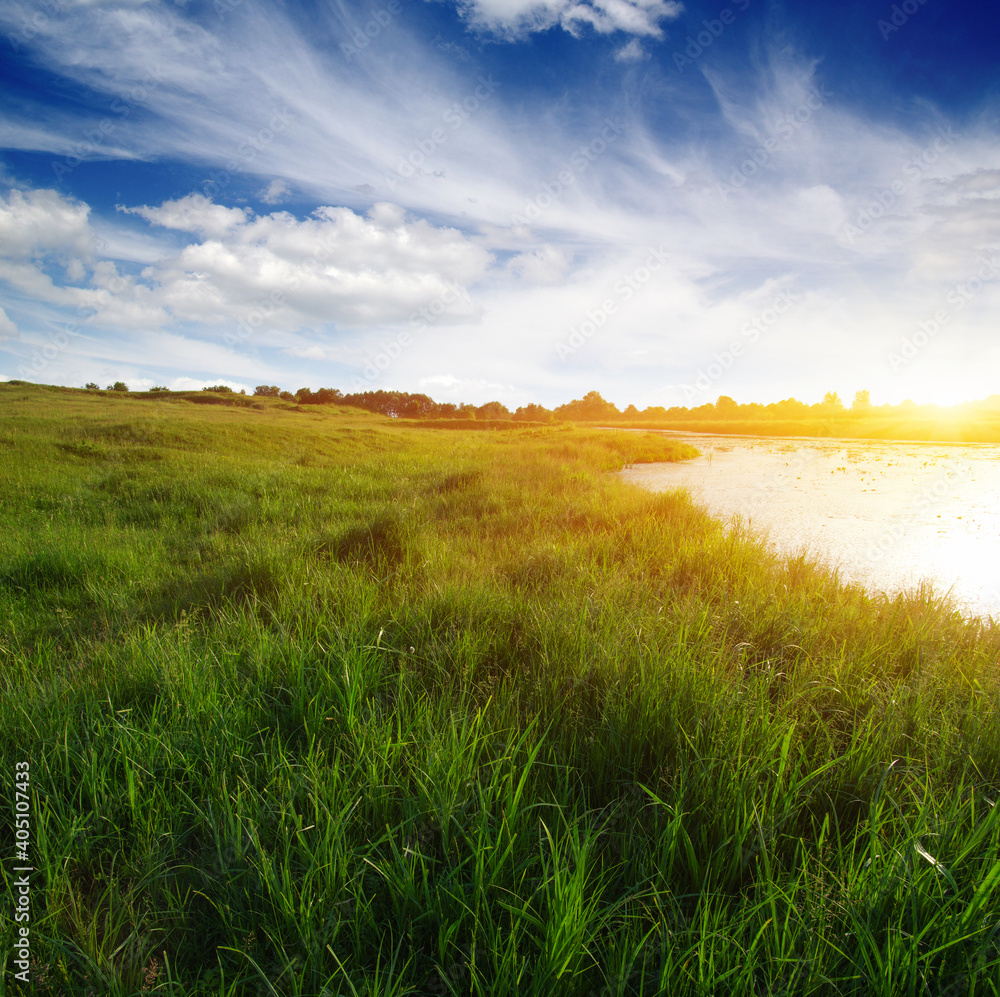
(503, 198)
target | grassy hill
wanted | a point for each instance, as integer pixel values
(316, 702)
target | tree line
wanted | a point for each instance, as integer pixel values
(592, 407)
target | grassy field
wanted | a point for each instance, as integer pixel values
(319, 704)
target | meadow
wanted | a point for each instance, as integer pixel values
(317, 702)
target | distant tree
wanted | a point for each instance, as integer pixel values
(832, 400)
(533, 413)
(325, 396)
(159, 387)
(224, 388)
(862, 400)
(91, 386)
(591, 408)
(416, 406)
(303, 395)
(493, 410)
(287, 396)
(631, 413)
(788, 408)
(467, 411)
(267, 391)
(726, 406)
(448, 410)
(118, 386)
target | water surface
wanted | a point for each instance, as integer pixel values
(888, 515)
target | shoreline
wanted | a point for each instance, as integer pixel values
(884, 518)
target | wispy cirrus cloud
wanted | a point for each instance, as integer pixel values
(414, 171)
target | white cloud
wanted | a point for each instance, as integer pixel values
(274, 271)
(517, 18)
(196, 384)
(307, 352)
(465, 388)
(7, 328)
(631, 51)
(36, 222)
(545, 265)
(275, 192)
(194, 213)
(69, 139)
(336, 267)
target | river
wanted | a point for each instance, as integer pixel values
(887, 515)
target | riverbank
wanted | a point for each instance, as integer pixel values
(890, 516)
(318, 700)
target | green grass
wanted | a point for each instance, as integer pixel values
(316, 703)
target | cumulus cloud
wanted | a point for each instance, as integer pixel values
(517, 18)
(194, 213)
(36, 222)
(275, 192)
(335, 268)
